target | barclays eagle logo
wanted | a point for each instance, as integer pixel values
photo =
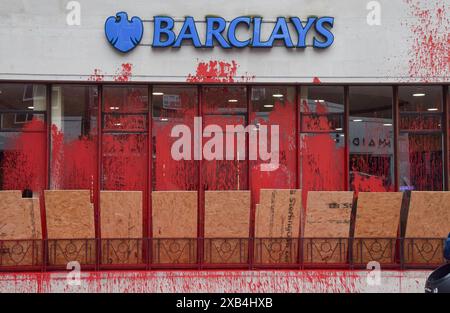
(122, 34)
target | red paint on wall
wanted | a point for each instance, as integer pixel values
(124, 73)
(430, 40)
(316, 80)
(97, 76)
(214, 72)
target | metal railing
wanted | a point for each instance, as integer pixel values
(251, 253)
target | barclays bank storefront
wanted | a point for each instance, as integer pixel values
(257, 134)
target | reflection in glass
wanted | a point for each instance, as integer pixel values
(371, 141)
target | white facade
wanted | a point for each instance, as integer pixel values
(409, 45)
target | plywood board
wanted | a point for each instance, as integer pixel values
(20, 226)
(70, 226)
(121, 217)
(174, 226)
(428, 217)
(277, 226)
(121, 214)
(377, 217)
(227, 215)
(20, 218)
(327, 226)
(174, 214)
(70, 214)
(278, 213)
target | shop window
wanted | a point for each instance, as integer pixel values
(322, 139)
(74, 134)
(174, 107)
(275, 109)
(124, 138)
(371, 138)
(22, 137)
(421, 138)
(225, 107)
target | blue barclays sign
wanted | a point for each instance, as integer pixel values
(124, 34)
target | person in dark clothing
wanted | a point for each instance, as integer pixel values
(447, 249)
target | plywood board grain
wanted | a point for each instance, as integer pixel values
(20, 218)
(377, 217)
(174, 214)
(70, 214)
(20, 228)
(121, 217)
(174, 226)
(277, 226)
(227, 218)
(428, 217)
(121, 214)
(227, 214)
(327, 226)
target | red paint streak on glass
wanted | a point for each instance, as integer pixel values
(173, 106)
(267, 110)
(124, 162)
(124, 140)
(421, 137)
(225, 106)
(74, 137)
(322, 141)
(23, 161)
(225, 174)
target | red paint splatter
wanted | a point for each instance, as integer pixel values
(73, 163)
(169, 173)
(430, 40)
(124, 141)
(424, 159)
(97, 76)
(284, 177)
(214, 72)
(124, 162)
(23, 162)
(322, 153)
(124, 73)
(316, 80)
(217, 71)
